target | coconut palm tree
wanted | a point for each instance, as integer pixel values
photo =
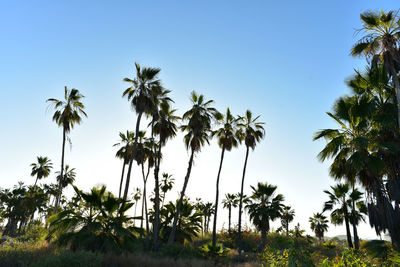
(68, 112)
(381, 43)
(265, 206)
(230, 201)
(68, 176)
(319, 225)
(41, 169)
(140, 96)
(252, 133)
(198, 129)
(338, 204)
(165, 128)
(287, 217)
(228, 138)
(124, 153)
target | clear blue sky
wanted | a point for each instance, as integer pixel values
(286, 61)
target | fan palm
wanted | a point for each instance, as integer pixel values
(338, 205)
(166, 185)
(358, 210)
(124, 153)
(287, 217)
(199, 119)
(380, 43)
(165, 128)
(140, 96)
(67, 178)
(228, 138)
(230, 201)
(41, 169)
(319, 225)
(252, 133)
(265, 206)
(68, 113)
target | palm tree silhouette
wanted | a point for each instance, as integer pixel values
(68, 113)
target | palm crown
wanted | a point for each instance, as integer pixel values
(253, 131)
(227, 134)
(42, 168)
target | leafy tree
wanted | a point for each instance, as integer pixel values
(228, 138)
(68, 113)
(265, 206)
(319, 225)
(287, 217)
(198, 128)
(230, 201)
(41, 169)
(252, 133)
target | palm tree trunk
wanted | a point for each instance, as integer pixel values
(346, 220)
(229, 219)
(355, 233)
(128, 178)
(61, 173)
(156, 229)
(263, 240)
(171, 237)
(122, 179)
(144, 203)
(214, 234)
(287, 228)
(241, 198)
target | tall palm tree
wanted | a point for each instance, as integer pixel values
(287, 217)
(230, 201)
(319, 225)
(68, 176)
(136, 197)
(199, 119)
(68, 112)
(265, 206)
(124, 153)
(358, 210)
(41, 169)
(140, 96)
(381, 43)
(165, 128)
(252, 133)
(228, 138)
(338, 204)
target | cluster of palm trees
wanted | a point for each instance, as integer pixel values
(364, 149)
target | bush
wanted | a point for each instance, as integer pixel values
(209, 251)
(177, 250)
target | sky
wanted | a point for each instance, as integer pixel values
(284, 60)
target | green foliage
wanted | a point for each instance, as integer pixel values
(33, 233)
(210, 251)
(177, 250)
(70, 259)
(274, 259)
(349, 258)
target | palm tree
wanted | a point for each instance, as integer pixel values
(136, 197)
(124, 153)
(68, 113)
(358, 210)
(286, 217)
(68, 177)
(198, 128)
(252, 133)
(380, 44)
(140, 97)
(230, 201)
(228, 137)
(319, 225)
(265, 206)
(339, 198)
(41, 169)
(165, 128)
(166, 185)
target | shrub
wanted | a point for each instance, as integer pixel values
(209, 251)
(67, 258)
(177, 250)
